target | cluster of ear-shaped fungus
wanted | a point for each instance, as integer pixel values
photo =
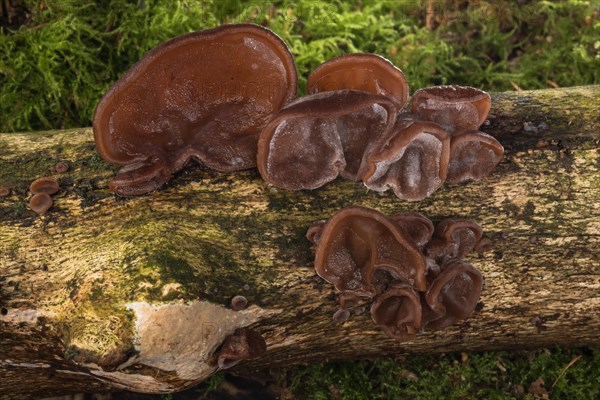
(414, 273)
(352, 124)
(225, 97)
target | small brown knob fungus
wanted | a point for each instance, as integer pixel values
(360, 71)
(238, 303)
(317, 137)
(60, 167)
(203, 96)
(398, 311)
(243, 344)
(46, 184)
(453, 294)
(4, 191)
(455, 108)
(40, 203)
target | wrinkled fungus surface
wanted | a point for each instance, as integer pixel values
(318, 137)
(360, 250)
(455, 108)
(412, 271)
(203, 96)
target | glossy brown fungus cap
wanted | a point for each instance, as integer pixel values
(413, 161)
(360, 71)
(398, 311)
(4, 191)
(453, 238)
(202, 96)
(46, 184)
(455, 108)
(244, 344)
(317, 137)
(40, 203)
(453, 294)
(473, 155)
(419, 227)
(356, 242)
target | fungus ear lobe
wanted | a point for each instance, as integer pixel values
(419, 227)
(413, 160)
(453, 294)
(458, 236)
(473, 155)
(140, 177)
(398, 311)
(360, 71)
(456, 108)
(360, 250)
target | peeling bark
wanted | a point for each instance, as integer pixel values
(105, 292)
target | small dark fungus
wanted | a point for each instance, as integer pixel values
(60, 167)
(412, 161)
(243, 344)
(40, 203)
(398, 311)
(341, 316)
(4, 191)
(314, 232)
(238, 303)
(318, 137)
(348, 300)
(203, 96)
(360, 71)
(453, 294)
(456, 108)
(473, 155)
(356, 242)
(46, 184)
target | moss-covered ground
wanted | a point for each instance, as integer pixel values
(57, 57)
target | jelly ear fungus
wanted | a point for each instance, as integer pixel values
(318, 137)
(203, 96)
(364, 253)
(360, 71)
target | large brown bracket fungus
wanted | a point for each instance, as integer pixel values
(413, 272)
(203, 96)
(317, 137)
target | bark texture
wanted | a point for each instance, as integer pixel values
(105, 292)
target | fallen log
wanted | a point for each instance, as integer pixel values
(106, 293)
